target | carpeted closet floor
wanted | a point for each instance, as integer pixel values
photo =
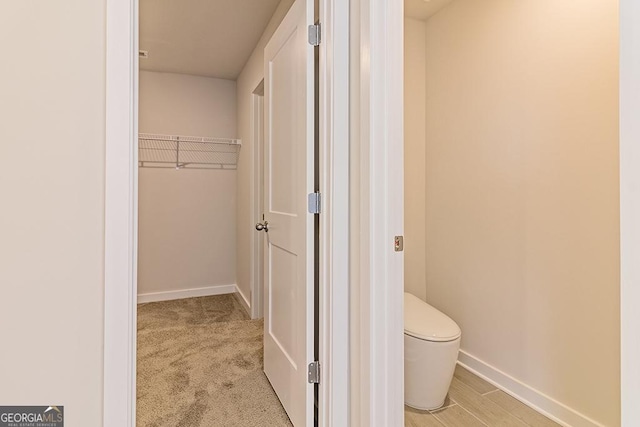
(200, 364)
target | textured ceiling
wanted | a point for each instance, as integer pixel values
(421, 9)
(211, 38)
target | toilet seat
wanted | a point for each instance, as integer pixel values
(424, 322)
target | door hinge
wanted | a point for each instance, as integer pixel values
(314, 35)
(315, 203)
(314, 372)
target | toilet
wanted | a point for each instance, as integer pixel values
(431, 343)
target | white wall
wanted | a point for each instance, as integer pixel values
(187, 218)
(52, 103)
(415, 104)
(522, 205)
(248, 80)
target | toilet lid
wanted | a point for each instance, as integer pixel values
(427, 323)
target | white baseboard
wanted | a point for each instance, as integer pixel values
(531, 397)
(186, 293)
(243, 300)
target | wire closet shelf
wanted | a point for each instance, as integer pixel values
(187, 152)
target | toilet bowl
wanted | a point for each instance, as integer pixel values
(431, 343)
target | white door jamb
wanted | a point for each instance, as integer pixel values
(121, 214)
(256, 299)
(377, 396)
(334, 219)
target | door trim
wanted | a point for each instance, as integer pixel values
(377, 321)
(121, 214)
(257, 193)
(333, 392)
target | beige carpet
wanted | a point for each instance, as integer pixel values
(200, 364)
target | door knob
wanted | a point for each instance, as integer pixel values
(263, 226)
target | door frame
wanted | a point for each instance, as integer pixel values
(377, 203)
(121, 213)
(256, 194)
(334, 246)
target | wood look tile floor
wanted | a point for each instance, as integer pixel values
(473, 402)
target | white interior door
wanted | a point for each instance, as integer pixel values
(289, 177)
